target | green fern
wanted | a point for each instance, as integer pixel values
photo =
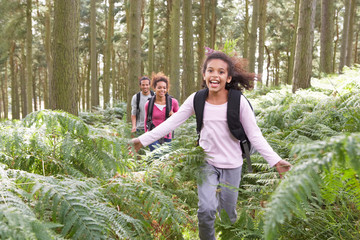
(305, 180)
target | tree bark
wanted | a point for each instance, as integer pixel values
(293, 44)
(188, 69)
(262, 36)
(95, 101)
(15, 113)
(201, 43)
(151, 39)
(29, 84)
(175, 49)
(134, 59)
(213, 23)
(304, 44)
(65, 56)
(350, 39)
(107, 55)
(23, 83)
(345, 34)
(246, 31)
(49, 65)
(253, 35)
(327, 36)
(5, 92)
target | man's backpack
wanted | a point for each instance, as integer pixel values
(149, 123)
(138, 102)
(233, 120)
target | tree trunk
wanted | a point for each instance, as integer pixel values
(337, 39)
(175, 49)
(304, 44)
(49, 65)
(293, 44)
(351, 34)
(93, 58)
(167, 56)
(201, 43)
(246, 30)
(5, 93)
(262, 23)
(107, 53)
(15, 113)
(253, 35)
(34, 90)
(134, 59)
(213, 23)
(29, 84)
(345, 34)
(65, 55)
(188, 72)
(151, 39)
(327, 36)
(23, 83)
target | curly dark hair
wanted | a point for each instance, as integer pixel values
(236, 69)
(158, 77)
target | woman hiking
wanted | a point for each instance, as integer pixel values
(224, 162)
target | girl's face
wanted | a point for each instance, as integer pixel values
(161, 89)
(216, 75)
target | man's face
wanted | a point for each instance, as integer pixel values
(145, 86)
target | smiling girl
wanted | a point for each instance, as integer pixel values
(224, 156)
(160, 110)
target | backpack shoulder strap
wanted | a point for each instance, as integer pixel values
(233, 114)
(168, 105)
(138, 100)
(149, 115)
(235, 126)
(199, 104)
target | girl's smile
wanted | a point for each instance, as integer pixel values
(216, 75)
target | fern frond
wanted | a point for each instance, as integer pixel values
(304, 180)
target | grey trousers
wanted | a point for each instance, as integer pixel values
(213, 197)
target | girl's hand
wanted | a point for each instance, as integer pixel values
(283, 166)
(171, 113)
(137, 144)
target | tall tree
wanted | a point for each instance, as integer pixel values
(151, 38)
(134, 59)
(29, 37)
(93, 58)
(49, 65)
(175, 49)
(65, 55)
(213, 19)
(350, 39)
(253, 35)
(23, 83)
(15, 102)
(327, 35)
(304, 45)
(201, 42)
(293, 44)
(246, 31)
(188, 82)
(345, 34)
(107, 53)
(5, 92)
(262, 23)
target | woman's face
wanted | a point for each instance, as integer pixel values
(216, 75)
(161, 88)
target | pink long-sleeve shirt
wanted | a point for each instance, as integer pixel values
(223, 150)
(158, 116)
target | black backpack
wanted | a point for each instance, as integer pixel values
(138, 102)
(233, 120)
(149, 123)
